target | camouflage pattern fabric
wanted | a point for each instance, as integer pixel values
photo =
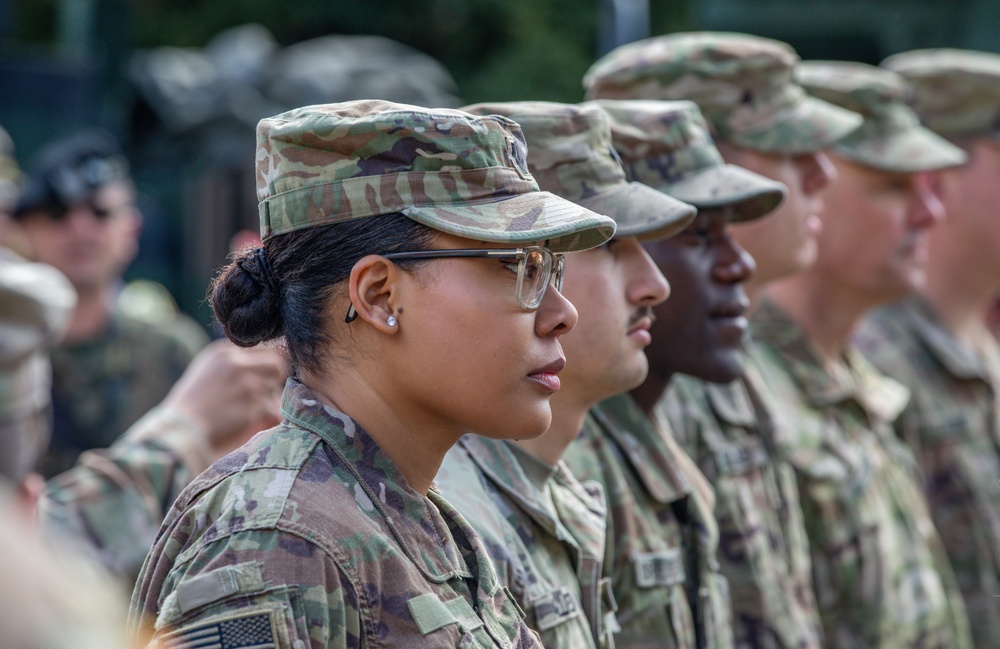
(10, 173)
(36, 302)
(881, 575)
(763, 553)
(309, 535)
(544, 533)
(743, 84)
(658, 551)
(112, 502)
(955, 92)
(952, 425)
(444, 168)
(101, 387)
(667, 145)
(891, 137)
(570, 155)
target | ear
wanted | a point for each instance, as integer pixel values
(375, 285)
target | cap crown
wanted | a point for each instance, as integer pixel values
(891, 137)
(661, 143)
(569, 146)
(954, 92)
(743, 84)
(336, 162)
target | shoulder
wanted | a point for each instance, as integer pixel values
(179, 336)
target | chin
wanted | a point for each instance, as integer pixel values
(719, 370)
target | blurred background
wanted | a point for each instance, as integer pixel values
(183, 82)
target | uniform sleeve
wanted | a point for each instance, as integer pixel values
(255, 588)
(113, 501)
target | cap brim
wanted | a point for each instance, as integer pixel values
(520, 219)
(910, 151)
(750, 194)
(641, 211)
(812, 125)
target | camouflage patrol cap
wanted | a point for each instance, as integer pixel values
(743, 85)
(35, 306)
(570, 155)
(955, 92)
(447, 169)
(10, 173)
(891, 137)
(666, 144)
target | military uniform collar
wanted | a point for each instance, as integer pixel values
(419, 524)
(731, 403)
(501, 463)
(621, 418)
(853, 379)
(957, 359)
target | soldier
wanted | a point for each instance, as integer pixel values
(427, 230)
(78, 214)
(542, 528)
(50, 599)
(729, 426)
(663, 540)
(880, 573)
(936, 341)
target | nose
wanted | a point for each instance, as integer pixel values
(817, 171)
(926, 209)
(734, 264)
(647, 285)
(555, 316)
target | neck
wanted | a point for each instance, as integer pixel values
(568, 413)
(415, 441)
(960, 293)
(91, 314)
(651, 391)
(827, 311)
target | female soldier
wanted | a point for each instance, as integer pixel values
(325, 531)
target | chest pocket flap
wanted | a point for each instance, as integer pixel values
(431, 614)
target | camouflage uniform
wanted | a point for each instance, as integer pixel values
(952, 426)
(112, 502)
(661, 543)
(101, 387)
(763, 551)
(309, 533)
(544, 532)
(542, 529)
(880, 572)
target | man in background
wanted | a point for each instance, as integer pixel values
(936, 341)
(78, 214)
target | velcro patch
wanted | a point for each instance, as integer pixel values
(658, 569)
(555, 607)
(250, 630)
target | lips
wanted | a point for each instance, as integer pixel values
(644, 323)
(547, 377)
(736, 309)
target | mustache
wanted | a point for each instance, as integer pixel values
(642, 312)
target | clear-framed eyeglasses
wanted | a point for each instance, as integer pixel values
(537, 268)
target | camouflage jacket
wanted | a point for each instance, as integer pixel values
(544, 532)
(101, 387)
(309, 535)
(763, 551)
(112, 502)
(881, 576)
(659, 552)
(951, 425)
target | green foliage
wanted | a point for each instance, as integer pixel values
(496, 49)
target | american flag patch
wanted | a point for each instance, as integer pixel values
(249, 631)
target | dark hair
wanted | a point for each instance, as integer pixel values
(307, 267)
